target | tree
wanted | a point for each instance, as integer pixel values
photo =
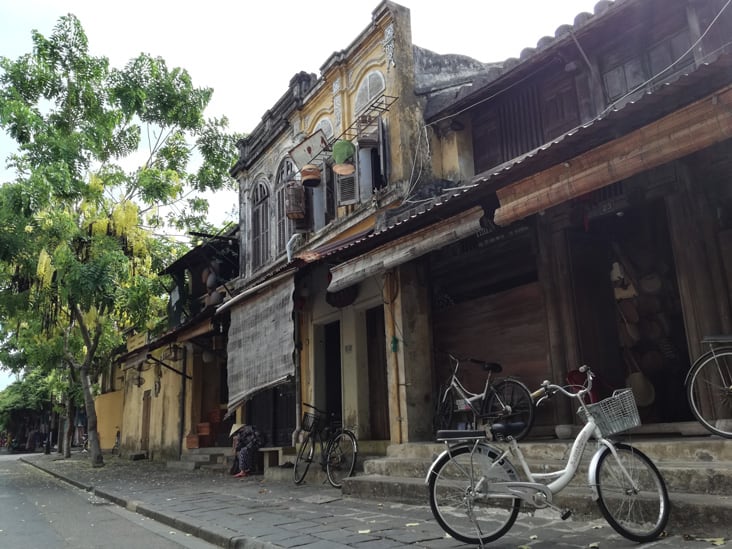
(78, 255)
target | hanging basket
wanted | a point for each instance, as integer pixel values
(342, 151)
(310, 175)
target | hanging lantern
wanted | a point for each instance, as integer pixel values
(310, 175)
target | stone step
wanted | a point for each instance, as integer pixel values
(697, 477)
(690, 513)
(704, 448)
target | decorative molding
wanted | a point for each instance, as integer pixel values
(337, 110)
(388, 44)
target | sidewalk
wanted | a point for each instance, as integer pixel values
(254, 513)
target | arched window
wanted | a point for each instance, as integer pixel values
(371, 87)
(260, 224)
(326, 126)
(284, 225)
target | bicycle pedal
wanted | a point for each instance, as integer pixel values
(565, 514)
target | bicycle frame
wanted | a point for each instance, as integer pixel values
(532, 491)
(464, 394)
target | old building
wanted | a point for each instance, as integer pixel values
(172, 386)
(333, 154)
(569, 206)
(590, 222)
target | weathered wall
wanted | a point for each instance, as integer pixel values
(163, 439)
(109, 417)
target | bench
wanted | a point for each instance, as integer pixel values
(273, 456)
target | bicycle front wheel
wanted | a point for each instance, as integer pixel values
(341, 460)
(461, 498)
(510, 403)
(709, 390)
(304, 459)
(444, 411)
(632, 494)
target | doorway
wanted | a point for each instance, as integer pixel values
(332, 348)
(642, 329)
(378, 384)
(145, 432)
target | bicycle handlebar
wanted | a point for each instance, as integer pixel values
(548, 389)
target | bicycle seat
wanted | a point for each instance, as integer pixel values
(721, 338)
(488, 366)
(502, 430)
(458, 434)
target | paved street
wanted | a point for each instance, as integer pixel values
(255, 513)
(38, 510)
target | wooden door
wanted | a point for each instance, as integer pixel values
(378, 387)
(333, 389)
(145, 435)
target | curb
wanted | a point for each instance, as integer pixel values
(215, 536)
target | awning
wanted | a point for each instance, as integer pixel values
(405, 249)
(688, 130)
(260, 344)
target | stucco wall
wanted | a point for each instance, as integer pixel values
(109, 417)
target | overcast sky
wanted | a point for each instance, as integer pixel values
(248, 51)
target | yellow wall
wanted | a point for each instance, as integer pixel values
(109, 417)
(164, 438)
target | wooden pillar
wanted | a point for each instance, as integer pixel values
(695, 266)
(551, 281)
(409, 352)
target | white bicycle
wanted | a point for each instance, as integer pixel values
(476, 492)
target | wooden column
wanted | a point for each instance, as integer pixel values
(699, 300)
(550, 280)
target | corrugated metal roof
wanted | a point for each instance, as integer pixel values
(634, 113)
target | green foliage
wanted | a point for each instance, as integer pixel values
(78, 263)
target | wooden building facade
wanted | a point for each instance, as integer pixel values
(591, 221)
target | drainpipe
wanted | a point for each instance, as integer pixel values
(298, 395)
(290, 244)
(389, 283)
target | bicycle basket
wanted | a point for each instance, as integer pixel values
(614, 414)
(310, 422)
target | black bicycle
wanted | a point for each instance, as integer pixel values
(338, 447)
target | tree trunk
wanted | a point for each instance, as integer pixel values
(69, 427)
(95, 450)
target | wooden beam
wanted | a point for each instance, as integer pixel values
(688, 130)
(405, 249)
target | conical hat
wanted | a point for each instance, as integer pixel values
(235, 428)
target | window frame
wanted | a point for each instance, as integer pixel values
(260, 224)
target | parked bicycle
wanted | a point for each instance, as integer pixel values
(476, 492)
(709, 386)
(338, 448)
(506, 401)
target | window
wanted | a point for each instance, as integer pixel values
(371, 87)
(655, 65)
(284, 226)
(260, 224)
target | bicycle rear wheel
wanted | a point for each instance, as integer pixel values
(639, 512)
(460, 499)
(341, 459)
(304, 459)
(709, 391)
(509, 402)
